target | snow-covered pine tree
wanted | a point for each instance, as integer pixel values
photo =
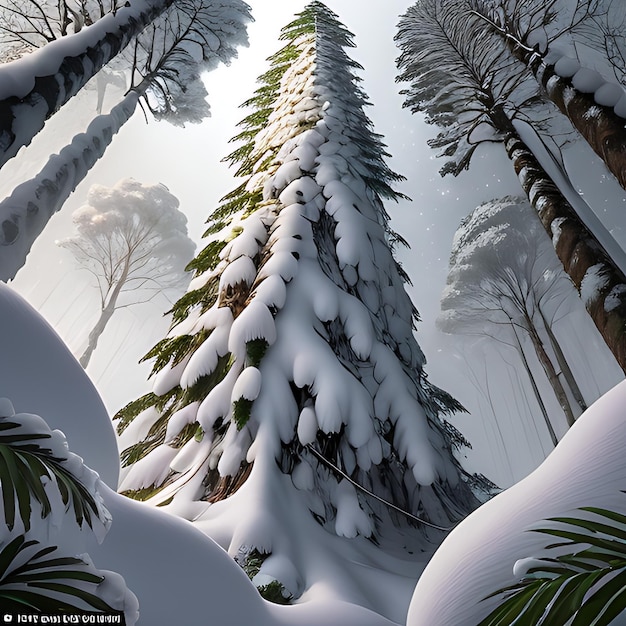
(291, 386)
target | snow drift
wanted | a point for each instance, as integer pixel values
(587, 468)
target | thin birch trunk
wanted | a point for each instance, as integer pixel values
(535, 388)
(105, 315)
(566, 370)
(549, 369)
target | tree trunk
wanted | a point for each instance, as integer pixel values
(535, 389)
(96, 332)
(548, 368)
(599, 125)
(566, 370)
(57, 76)
(578, 250)
(25, 213)
(105, 315)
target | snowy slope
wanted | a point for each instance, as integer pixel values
(39, 375)
(182, 577)
(586, 469)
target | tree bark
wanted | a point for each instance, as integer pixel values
(57, 75)
(105, 315)
(599, 125)
(25, 213)
(94, 335)
(578, 250)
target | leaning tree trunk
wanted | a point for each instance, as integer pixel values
(94, 335)
(566, 370)
(582, 256)
(105, 315)
(25, 213)
(535, 388)
(54, 75)
(599, 125)
(548, 368)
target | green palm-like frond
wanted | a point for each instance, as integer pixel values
(586, 586)
(31, 581)
(25, 466)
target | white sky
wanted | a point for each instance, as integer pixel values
(188, 163)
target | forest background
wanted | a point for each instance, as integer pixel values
(503, 425)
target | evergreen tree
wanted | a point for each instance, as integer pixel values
(291, 388)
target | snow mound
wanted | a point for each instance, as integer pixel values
(178, 574)
(587, 468)
(41, 376)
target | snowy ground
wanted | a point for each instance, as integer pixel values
(169, 564)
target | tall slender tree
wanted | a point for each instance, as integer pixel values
(459, 79)
(505, 282)
(167, 61)
(291, 392)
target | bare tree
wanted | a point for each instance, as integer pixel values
(132, 238)
(461, 81)
(504, 277)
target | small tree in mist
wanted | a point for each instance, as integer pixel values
(133, 239)
(504, 282)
